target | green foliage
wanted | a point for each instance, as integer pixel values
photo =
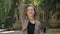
(5, 6)
(50, 7)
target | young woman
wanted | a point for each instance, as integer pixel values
(30, 25)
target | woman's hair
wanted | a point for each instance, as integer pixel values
(33, 8)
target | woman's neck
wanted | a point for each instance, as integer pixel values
(32, 20)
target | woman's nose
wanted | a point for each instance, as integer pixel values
(30, 10)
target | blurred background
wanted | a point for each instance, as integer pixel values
(48, 13)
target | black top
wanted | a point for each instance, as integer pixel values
(30, 28)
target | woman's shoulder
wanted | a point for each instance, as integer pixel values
(37, 21)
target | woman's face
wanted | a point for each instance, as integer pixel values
(30, 11)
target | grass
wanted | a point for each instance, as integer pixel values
(49, 31)
(52, 31)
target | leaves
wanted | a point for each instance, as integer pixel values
(4, 9)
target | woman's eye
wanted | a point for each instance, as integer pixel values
(31, 9)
